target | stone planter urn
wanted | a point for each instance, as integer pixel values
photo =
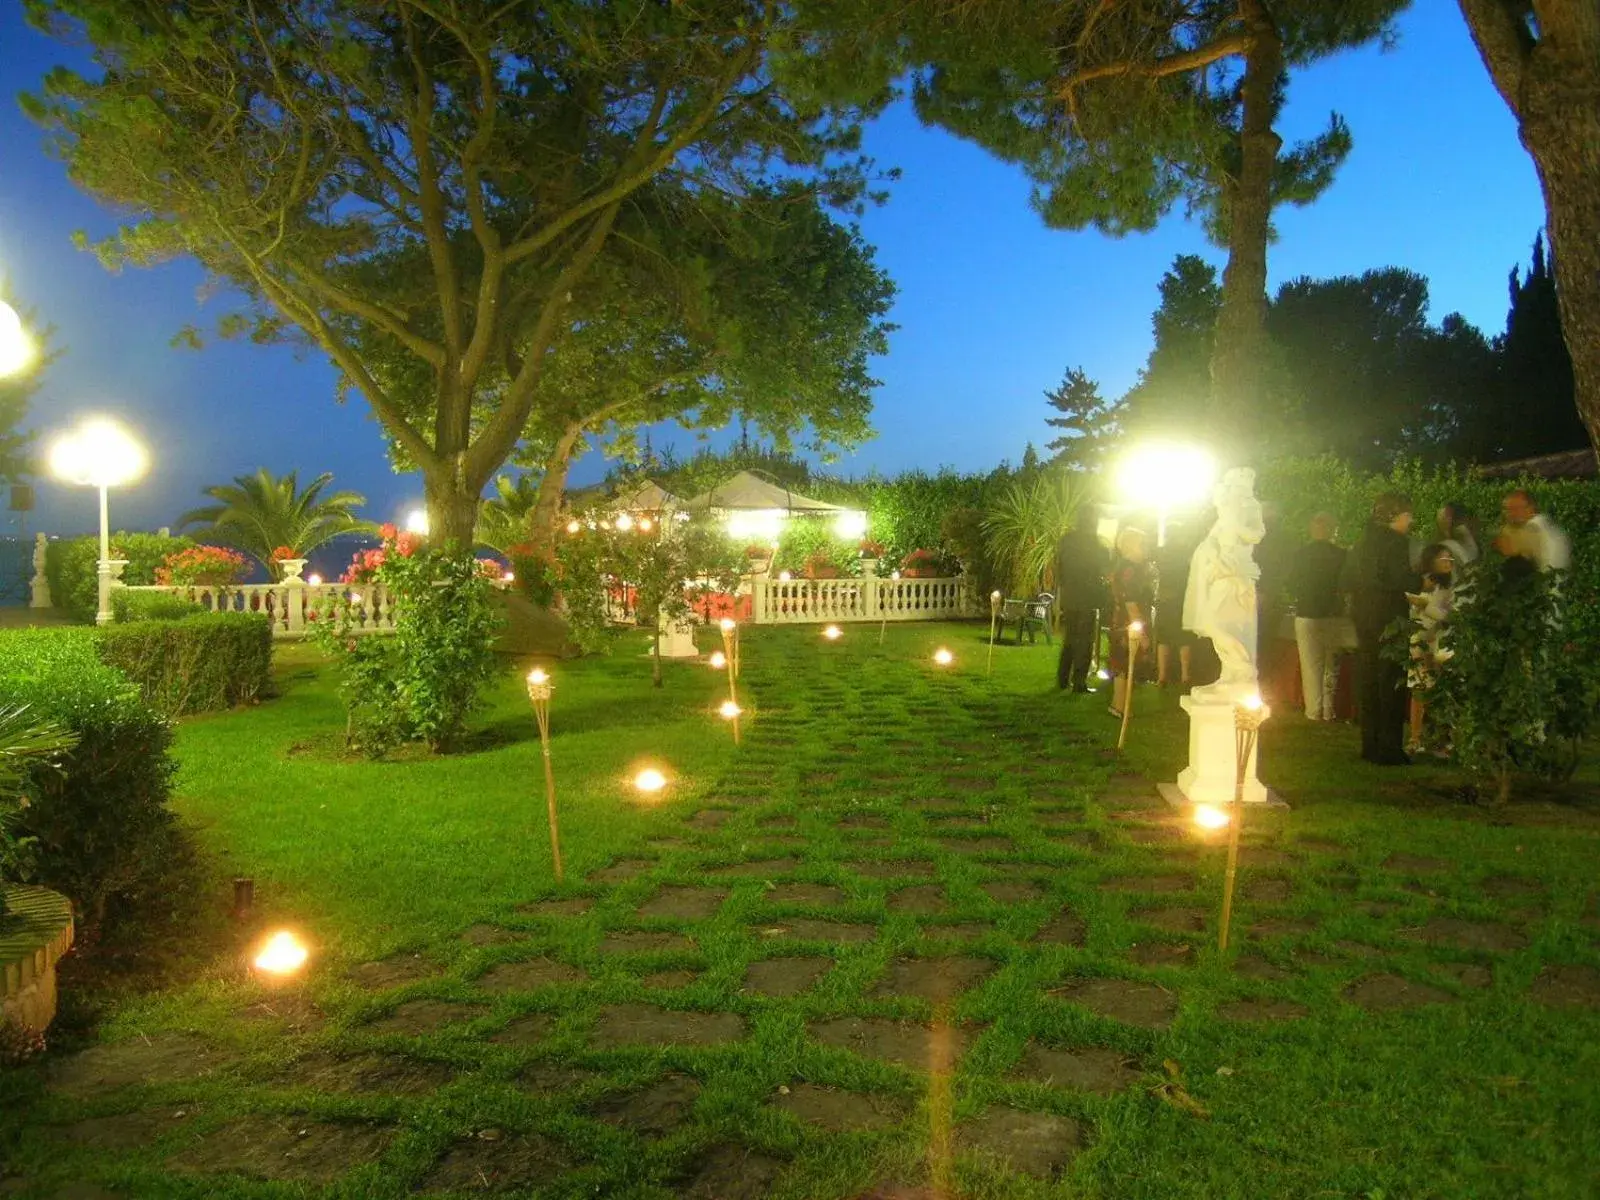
(35, 931)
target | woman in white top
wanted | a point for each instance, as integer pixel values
(1457, 533)
(1429, 611)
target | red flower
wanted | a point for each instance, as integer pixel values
(281, 553)
(406, 544)
(387, 531)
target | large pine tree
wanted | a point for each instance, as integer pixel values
(1087, 422)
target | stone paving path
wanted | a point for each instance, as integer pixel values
(952, 931)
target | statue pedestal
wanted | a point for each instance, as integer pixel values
(677, 639)
(1209, 777)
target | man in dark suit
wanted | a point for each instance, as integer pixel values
(1080, 586)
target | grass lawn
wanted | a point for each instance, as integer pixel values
(919, 932)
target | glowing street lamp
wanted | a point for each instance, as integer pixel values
(417, 522)
(539, 690)
(1166, 476)
(16, 347)
(281, 955)
(1248, 716)
(100, 453)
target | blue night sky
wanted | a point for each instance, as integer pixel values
(992, 306)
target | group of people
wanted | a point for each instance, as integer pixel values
(1348, 600)
(1344, 600)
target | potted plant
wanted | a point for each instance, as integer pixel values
(758, 558)
(820, 565)
(920, 564)
(870, 551)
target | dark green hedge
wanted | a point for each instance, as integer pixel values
(128, 606)
(105, 836)
(71, 565)
(194, 663)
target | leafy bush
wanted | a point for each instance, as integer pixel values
(205, 566)
(808, 542)
(197, 663)
(1513, 685)
(25, 740)
(430, 677)
(71, 566)
(129, 605)
(1027, 522)
(101, 830)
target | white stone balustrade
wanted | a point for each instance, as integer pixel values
(293, 605)
(868, 598)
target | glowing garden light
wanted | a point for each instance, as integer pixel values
(1166, 475)
(784, 576)
(650, 781)
(574, 526)
(417, 522)
(540, 689)
(624, 522)
(509, 577)
(100, 454)
(644, 524)
(314, 580)
(943, 657)
(281, 955)
(730, 711)
(851, 525)
(1209, 817)
(718, 660)
(833, 633)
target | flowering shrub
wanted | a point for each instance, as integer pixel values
(870, 548)
(209, 566)
(920, 560)
(282, 553)
(821, 562)
(364, 565)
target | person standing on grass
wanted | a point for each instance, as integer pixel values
(1378, 575)
(1132, 590)
(1080, 585)
(1546, 542)
(1172, 582)
(1321, 629)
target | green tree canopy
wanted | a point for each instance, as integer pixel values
(423, 188)
(1087, 423)
(260, 513)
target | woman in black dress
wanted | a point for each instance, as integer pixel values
(1378, 574)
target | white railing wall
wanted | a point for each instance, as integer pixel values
(294, 605)
(868, 598)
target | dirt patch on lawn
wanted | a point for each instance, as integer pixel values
(770, 868)
(1468, 975)
(917, 868)
(1173, 920)
(708, 819)
(622, 870)
(653, 1111)
(1414, 864)
(836, 1110)
(1061, 818)
(125, 1131)
(647, 1025)
(493, 1162)
(934, 979)
(1253, 966)
(292, 1149)
(862, 820)
(1469, 935)
(977, 845)
(923, 901)
(1093, 1069)
(1012, 891)
(1036, 1144)
(1512, 887)
(161, 1058)
(1280, 927)
(679, 903)
(574, 907)
(679, 978)
(811, 929)
(488, 935)
(527, 1030)
(1567, 987)
(1065, 929)
(388, 1074)
(732, 1172)
(392, 972)
(293, 1012)
(1241, 1011)
(1261, 857)
(528, 976)
(1125, 1000)
(803, 895)
(961, 931)
(417, 1017)
(1161, 954)
(785, 976)
(1381, 993)
(1155, 835)
(1267, 891)
(644, 941)
(1147, 884)
(899, 1042)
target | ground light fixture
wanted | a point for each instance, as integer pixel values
(650, 781)
(729, 710)
(574, 526)
(943, 657)
(1164, 476)
(624, 522)
(281, 955)
(101, 454)
(994, 627)
(832, 632)
(540, 689)
(717, 661)
(16, 347)
(1209, 817)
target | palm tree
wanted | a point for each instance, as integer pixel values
(259, 513)
(503, 521)
(1027, 521)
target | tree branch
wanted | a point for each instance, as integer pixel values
(432, 204)
(1157, 68)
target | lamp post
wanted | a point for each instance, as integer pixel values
(539, 689)
(1248, 715)
(1167, 476)
(100, 453)
(16, 347)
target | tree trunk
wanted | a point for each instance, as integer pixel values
(655, 665)
(1549, 76)
(542, 530)
(452, 509)
(1240, 353)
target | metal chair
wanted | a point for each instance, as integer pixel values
(1036, 616)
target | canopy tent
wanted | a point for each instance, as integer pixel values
(757, 508)
(646, 496)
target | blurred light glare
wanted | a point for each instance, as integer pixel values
(624, 522)
(851, 525)
(1209, 816)
(729, 710)
(417, 522)
(649, 781)
(943, 657)
(833, 633)
(16, 347)
(99, 453)
(718, 659)
(282, 954)
(1166, 474)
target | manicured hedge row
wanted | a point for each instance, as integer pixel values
(195, 663)
(105, 836)
(129, 605)
(71, 566)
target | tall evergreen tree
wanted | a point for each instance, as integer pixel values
(1544, 58)
(1537, 413)
(1168, 401)
(1086, 422)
